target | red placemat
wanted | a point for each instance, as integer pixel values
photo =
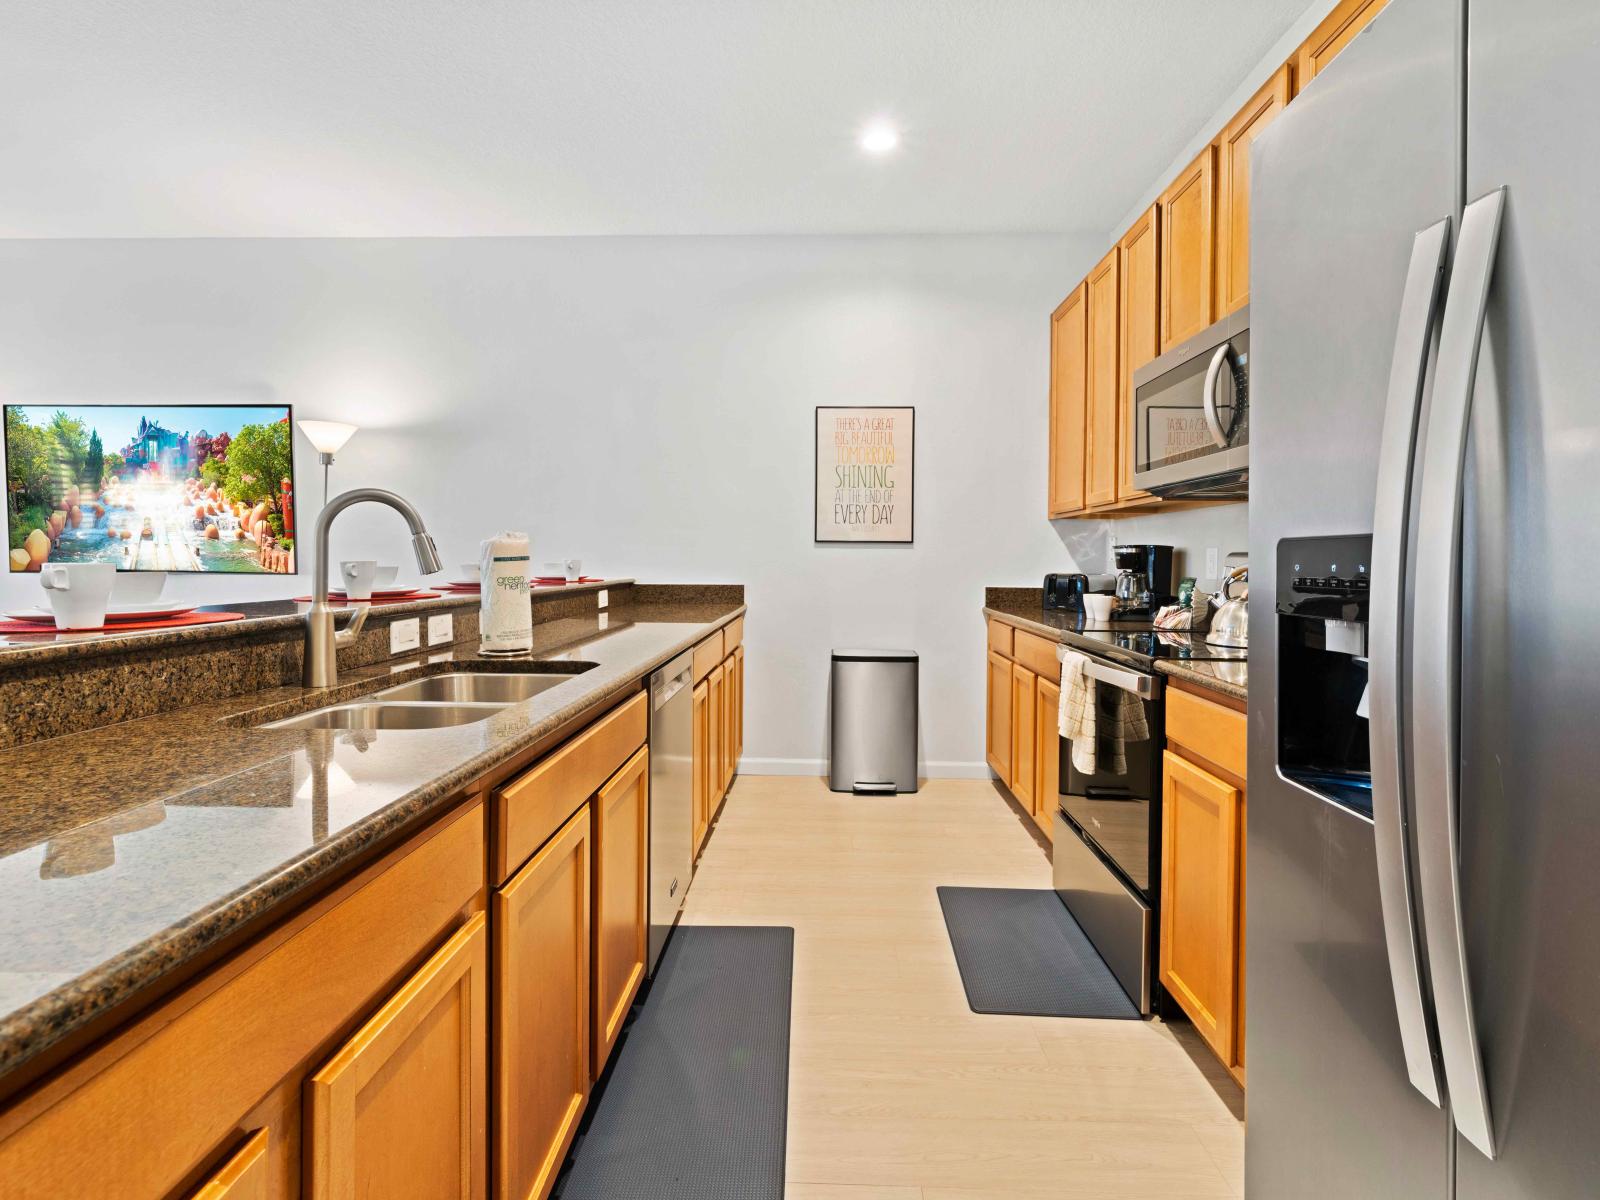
(195, 618)
(334, 600)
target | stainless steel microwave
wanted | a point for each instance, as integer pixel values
(1191, 415)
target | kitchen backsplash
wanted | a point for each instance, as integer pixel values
(1190, 533)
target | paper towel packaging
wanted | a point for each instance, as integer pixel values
(505, 618)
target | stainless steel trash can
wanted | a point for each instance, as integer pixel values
(873, 742)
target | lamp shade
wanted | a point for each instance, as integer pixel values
(328, 437)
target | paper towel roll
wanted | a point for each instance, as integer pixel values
(505, 615)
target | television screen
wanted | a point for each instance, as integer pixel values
(190, 487)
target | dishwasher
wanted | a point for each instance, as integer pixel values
(671, 797)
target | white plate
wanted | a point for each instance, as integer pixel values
(143, 612)
(380, 593)
(464, 583)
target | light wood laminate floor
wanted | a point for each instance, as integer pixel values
(897, 1090)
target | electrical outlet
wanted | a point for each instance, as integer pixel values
(441, 628)
(603, 597)
(405, 635)
(1213, 563)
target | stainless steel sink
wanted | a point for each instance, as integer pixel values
(475, 687)
(371, 714)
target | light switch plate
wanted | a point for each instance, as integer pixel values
(1213, 569)
(441, 628)
(405, 635)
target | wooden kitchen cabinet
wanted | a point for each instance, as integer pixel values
(1102, 466)
(717, 717)
(1024, 765)
(730, 720)
(1047, 753)
(1233, 190)
(621, 899)
(542, 1011)
(700, 763)
(1186, 233)
(1069, 376)
(244, 1176)
(1139, 335)
(738, 707)
(1338, 28)
(1200, 857)
(401, 1109)
(998, 746)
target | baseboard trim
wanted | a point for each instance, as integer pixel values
(818, 768)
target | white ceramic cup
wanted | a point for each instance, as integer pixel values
(574, 569)
(137, 589)
(384, 577)
(359, 576)
(79, 592)
(1098, 606)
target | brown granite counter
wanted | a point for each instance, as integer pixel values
(129, 850)
(1226, 678)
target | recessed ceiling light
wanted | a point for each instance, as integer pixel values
(879, 137)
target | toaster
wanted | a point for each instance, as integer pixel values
(1067, 590)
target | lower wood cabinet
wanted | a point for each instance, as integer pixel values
(998, 743)
(245, 1176)
(1202, 901)
(401, 1109)
(719, 724)
(717, 717)
(701, 762)
(1047, 748)
(621, 900)
(1024, 766)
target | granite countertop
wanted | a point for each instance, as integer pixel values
(1022, 608)
(129, 850)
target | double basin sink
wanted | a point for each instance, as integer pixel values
(436, 702)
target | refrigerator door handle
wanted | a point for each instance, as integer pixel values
(1435, 666)
(1419, 308)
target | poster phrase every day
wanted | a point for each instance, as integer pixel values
(864, 474)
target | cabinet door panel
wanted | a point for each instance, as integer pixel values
(243, 1176)
(1233, 190)
(1200, 857)
(1069, 376)
(400, 1110)
(1023, 685)
(621, 917)
(999, 710)
(1101, 462)
(738, 708)
(1047, 752)
(701, 764)
(542, 1011)
(1186, 232)
(1140, 335)
(716, 718)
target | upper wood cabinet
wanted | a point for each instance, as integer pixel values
(1069, 375)
(1348, 18)
(542, 1011)
(401, 1109)
(1101, 463)
(1233, 190)
(1186, 228)
(621, 901)
(1024, 765)
(1140, 333)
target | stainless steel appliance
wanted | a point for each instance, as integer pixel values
(1191, 415)
(1106, 848)
(872, 744)
(1144, 578)
(1421, 978)
(671, 797)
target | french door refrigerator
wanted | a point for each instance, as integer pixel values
(1423, 944)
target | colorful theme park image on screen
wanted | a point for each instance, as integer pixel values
(154, 488)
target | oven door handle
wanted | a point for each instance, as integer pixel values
(1143, 686)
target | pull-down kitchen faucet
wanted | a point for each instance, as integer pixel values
(322, 642)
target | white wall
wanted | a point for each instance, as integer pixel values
(644, 403)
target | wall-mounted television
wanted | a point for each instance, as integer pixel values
(151, 487)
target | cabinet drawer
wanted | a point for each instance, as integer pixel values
(1000, 638)
(538, 802)
(707, 655)
(1215, 733)
(169, 1093)
(1036, 653)
(732, 636)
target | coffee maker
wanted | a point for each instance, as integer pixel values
(1144, 578)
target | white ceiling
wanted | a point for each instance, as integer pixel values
(154, 118)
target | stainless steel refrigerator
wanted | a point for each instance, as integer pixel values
(1423, 980)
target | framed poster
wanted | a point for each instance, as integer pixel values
(866, 474)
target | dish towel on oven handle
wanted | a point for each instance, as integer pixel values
(1076, 720)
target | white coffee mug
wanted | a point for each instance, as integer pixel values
(384, 577)
(79, 592)
(574, 568)
(1098, 606)
(359, 576)
(136, 589)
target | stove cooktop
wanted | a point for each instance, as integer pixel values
(1142, 639)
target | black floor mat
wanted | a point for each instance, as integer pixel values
(696, 1107)
(1020, 953)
